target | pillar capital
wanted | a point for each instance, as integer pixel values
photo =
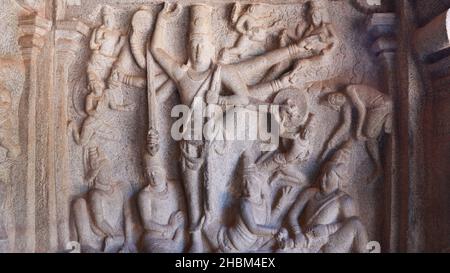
(68, 36)
(33, 30)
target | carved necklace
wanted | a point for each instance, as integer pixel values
(198, 76)
(163, 194)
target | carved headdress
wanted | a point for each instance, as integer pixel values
(201, 21)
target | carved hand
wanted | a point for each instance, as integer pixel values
(286, 194)
(176, 219)
(300, 240)
(288, 80)
(313, 44)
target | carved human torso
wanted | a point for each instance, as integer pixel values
(111, 203)
(161, 204)
(193, 84)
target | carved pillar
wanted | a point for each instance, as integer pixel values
(432, 44)
(411, 112)
(33, 29)
(68, 37)
(382, 28)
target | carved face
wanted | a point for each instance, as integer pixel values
(329, 181)
(316, 17)
(108, 20)
(251, 186)
(336, 100)
(201, 53)
(157, 178)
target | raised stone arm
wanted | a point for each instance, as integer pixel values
(360, 107)
(306, 48)
(157, 47)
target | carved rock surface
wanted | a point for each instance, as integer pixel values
(224, 126)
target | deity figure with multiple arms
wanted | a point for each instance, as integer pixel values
(374, 110)
(6, 128)
(317, 24)
(103, 218)
(324, 218)
(203, 79)
(159, 205)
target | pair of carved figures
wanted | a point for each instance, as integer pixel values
(205, 79)
(322, 218)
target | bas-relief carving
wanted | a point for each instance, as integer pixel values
(296, 217)
(284, 207)
(102, 218)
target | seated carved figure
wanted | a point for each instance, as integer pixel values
(324, 219)
(159, 207)
(257, 222)
(102, 218)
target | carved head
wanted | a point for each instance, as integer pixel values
(336, 100)
(252, 186)
(108, 16)
(101, 166)
(318, 12)
(5, 98)
(156, 177)
(201, 49)
(333, 174)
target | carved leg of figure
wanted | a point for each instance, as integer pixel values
(89, 241)
(192, 162)
(192, 185)
(351, 237)
(374, 153)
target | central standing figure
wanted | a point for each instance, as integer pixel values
(202, 79)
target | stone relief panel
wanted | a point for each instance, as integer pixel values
(193, 126)
(312, 71)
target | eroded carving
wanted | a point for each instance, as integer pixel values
(103, 217)
(252, 26)
(374, 118)
(324, 218)
(159, 205)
